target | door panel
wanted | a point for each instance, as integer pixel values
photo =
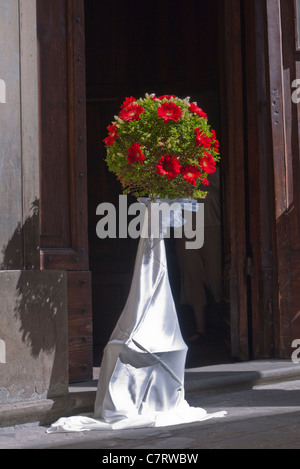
(63, 214)
(233, 164)
(284, 68)
(290, 21)
(80, 326)
(63, 135)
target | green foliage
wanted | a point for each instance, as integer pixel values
(157, 138)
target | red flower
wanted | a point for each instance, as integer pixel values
(135, 154)
(168, 165)
(128, 101)
(202, 139)
(197, 110)
(132, 112)
(167, 96)
(207, 163)
(205, 182)
(216, 143)
(112, 135)
(169, 111)
(190, 173)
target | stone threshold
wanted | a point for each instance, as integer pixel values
(204, 381)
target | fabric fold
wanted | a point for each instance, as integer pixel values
(141, 380)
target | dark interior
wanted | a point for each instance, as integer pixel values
(134, 47)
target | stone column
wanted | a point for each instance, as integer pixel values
(33, 303)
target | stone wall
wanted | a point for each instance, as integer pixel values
(34, 332)
(33, 303)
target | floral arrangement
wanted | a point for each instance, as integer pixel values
(162, 147)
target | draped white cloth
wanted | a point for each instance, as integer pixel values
(141, 380)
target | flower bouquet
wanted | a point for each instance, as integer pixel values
(162, 147)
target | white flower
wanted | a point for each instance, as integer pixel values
(118, 119)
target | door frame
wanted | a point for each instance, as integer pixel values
(240, 264)
(236, 286)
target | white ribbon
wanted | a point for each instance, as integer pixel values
(165, 213)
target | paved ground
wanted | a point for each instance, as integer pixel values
(265, 417)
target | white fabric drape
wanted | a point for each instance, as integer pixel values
(141, 380)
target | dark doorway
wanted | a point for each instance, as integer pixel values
(134, 47)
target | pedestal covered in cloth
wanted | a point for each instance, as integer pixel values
(141, 380)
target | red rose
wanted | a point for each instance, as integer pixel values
(135, 154)
(169, 111)
(128, 101)
(112, 135)
(197, 110)
(132, 112)
(190, 174)
(207, 163)
(168, 165)
(202, 139)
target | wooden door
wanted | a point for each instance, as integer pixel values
(135, 47)
(235, 210)
(271, 64)
(283, 30)
(261, 262)
(63, 172)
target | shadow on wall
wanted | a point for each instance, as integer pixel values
(40, 310)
